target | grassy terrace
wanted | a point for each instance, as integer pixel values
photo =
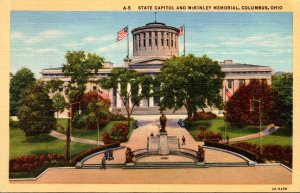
(42, 144)
(92, 134)
(217, 125)
(283, 136)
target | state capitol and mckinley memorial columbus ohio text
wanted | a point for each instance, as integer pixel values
(209, 8)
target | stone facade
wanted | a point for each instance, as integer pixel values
(153, 44)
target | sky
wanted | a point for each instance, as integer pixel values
(41, 39)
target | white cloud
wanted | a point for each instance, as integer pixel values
(93, 39)
(16, 35)
(42, 50)
(258, 40)
(46, 35)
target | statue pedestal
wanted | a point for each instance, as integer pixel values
(163, 148)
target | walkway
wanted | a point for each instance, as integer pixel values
(263, 133)
(152, 121)
(61, 136)
(214, 175)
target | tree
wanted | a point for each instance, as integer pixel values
(80, 67)
(283, 87)
(59, 103)
(134, 87)
(238, 110)
(36, 113)
(54, 85)
(190, 82)
(97, 110)
(18, 83)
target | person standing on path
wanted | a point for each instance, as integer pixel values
(183, 140)
(103, 163)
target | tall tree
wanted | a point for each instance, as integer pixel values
(97, 110)
(59, 103)
(80, 67)
(190, 82)
(238, 110)
(36, 113)
(18, 83)
(54, 85)
(134, 87)
(283, 87)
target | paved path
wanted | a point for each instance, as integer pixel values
(149, 124)
(75, 139)
(213, 175)
(264, 133)
(152, 121)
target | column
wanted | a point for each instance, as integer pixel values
(128, 90)
(119, 100)
(151, 101)
(142, 101)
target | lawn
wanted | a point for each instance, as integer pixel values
(282, 136)
(217, 125)
(92, 134)
(43, 144)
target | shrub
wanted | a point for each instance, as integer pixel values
(204, 116)
(119, 132)
(106, 137)
(210, 136)
(118, 117)
(29, 163)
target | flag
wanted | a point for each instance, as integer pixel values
(103, 95)
(122, 34)
(228, 93)
(181, 31)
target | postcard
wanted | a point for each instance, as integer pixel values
(149, 96)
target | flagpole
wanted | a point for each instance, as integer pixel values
(127, 42)
(183, 40)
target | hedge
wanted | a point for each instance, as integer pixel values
(248, 154)
(84, 154)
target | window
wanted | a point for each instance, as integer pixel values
(156, 38)
(264, 81)
(171, 40)
(230, 83)
(144, 42)
(150, 42)
(168, 39)
(162, 38)
(94, 87)
(139, 40)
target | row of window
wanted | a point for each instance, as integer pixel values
(242, 81)
(141, 40)
(249, 72)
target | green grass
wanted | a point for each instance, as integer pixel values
(43, 144)
(217, 125)
(92, 134)
(283, 136)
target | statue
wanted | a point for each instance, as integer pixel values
(129, 155)
(163, 121)
(200, 154)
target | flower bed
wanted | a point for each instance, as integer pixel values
(32, 162)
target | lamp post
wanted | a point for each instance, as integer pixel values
(68, 131)
(259, 110)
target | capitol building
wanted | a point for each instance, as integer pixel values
(153, 44)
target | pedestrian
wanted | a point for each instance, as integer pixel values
(111, 155)
(103, 163)
(227, 139)
(183, 140)
(106, 155)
